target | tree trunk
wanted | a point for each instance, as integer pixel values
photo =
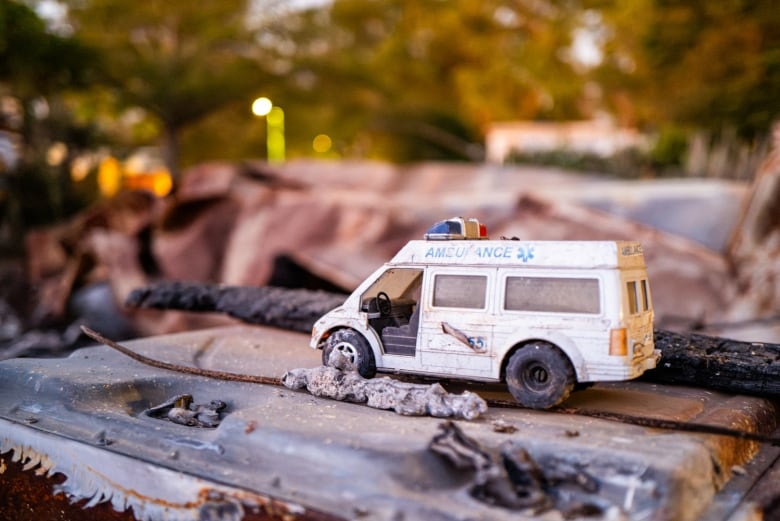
(171, 150)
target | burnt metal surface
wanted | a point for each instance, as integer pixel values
(512, 479)
(30, 496)
(142, 490)
(83, 417)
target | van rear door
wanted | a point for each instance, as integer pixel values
(638, 312)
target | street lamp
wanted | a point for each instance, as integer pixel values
(274, 118)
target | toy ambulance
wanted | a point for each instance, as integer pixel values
(541, 316)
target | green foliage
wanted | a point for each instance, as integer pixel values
(32, 60)
(38, 71)
(178, 60)
(670, 148)
(708, 65)
(397, 79)
(411, 79)
(424, 137)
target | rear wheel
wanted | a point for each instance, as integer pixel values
(539, 375)
(355, 349)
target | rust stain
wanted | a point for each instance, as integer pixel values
(205, 496)
(28, 496)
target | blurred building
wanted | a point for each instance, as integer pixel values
(598, 137)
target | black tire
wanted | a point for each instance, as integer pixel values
(539, 375)
(354, 347)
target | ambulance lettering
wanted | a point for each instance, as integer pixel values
(496, 252)
(448, 252)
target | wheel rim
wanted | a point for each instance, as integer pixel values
(536, 376)
(348, 350)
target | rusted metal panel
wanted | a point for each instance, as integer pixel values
(28, 496)
(82, 417)
(49, 477)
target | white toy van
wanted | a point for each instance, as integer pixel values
(541, 316)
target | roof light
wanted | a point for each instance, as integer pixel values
(483, 231)
(456, 228)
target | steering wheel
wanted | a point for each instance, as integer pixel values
(383, 304)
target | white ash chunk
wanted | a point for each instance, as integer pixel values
(385, 393)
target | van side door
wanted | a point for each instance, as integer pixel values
(457, 321)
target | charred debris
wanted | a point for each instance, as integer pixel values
(511, 478)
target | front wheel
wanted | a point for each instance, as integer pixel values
(539, 375)
(355, 349)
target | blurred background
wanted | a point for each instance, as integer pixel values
(300, 143)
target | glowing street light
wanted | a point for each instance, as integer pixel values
(261, 107)
(274, 118)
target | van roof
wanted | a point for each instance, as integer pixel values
(531, 254)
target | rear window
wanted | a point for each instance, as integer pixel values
(553, 294)
(638, 295)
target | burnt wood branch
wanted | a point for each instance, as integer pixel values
(687, 359)
(717, 363)
(293, 309)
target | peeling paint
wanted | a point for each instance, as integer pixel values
(151, 492)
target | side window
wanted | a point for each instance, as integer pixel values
(459, 291)
(552, 294)
(397, 283)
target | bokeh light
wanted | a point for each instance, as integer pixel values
(261, 106)
(321, 143)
